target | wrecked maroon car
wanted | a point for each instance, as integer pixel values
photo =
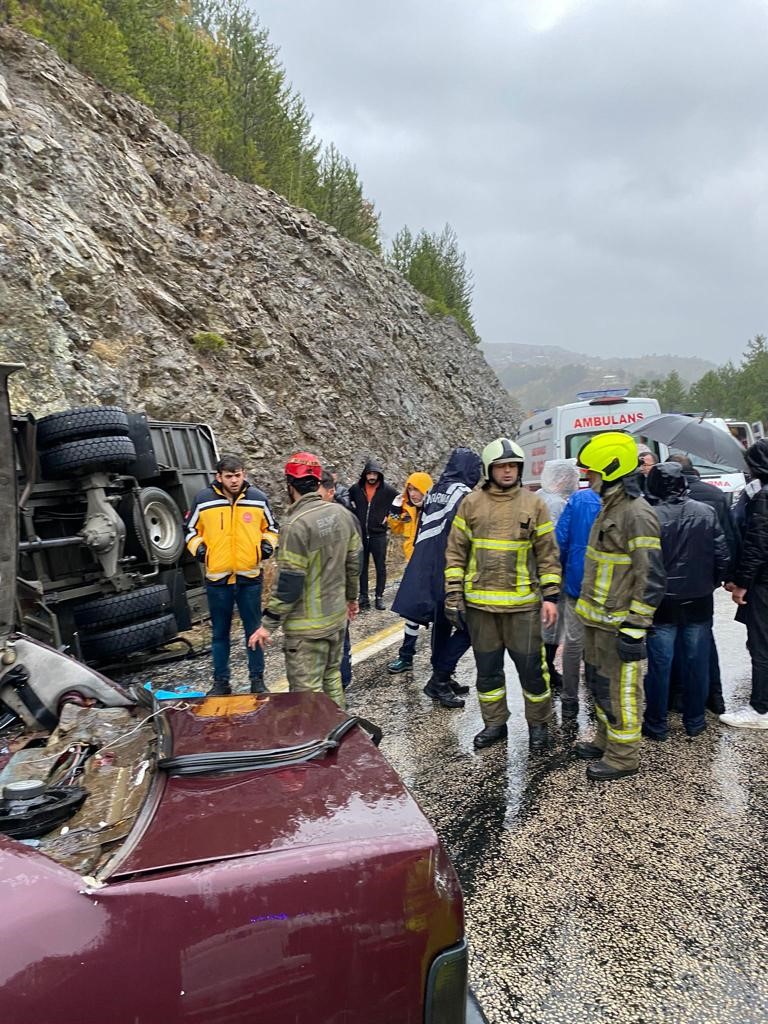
(238, 859)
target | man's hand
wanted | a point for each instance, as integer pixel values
(738, 594)
(266, 550)
(729, 587)
(260, 638)
(548, 614)
(200, 554)
(455, 610)
(353, 609)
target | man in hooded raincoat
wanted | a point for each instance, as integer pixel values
(404, 518)
(421, 596)
(371, 499)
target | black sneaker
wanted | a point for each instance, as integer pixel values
(379, 604)
(258, 686)
(364, 604)
(399, 665)
(220, 688)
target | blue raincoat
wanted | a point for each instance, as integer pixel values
(423, 585)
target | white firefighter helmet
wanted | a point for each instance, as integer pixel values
(499, 451)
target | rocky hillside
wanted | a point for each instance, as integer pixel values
(135, 272)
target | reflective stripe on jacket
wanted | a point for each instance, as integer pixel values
(624, 578)
(502, 554)
(231, 531)
(319, 569)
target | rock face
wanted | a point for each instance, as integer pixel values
(122, 251)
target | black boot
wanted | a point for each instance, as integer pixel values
(715, 702)
(439, 689)
(379, 604)
(457, 688)
(220, 688)
(555, 679)
(599, 771)
(538, 738)
(587, 751)
(489, 735)
(364, 602)
(570, 708)
(258, 686)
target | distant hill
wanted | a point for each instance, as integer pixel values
(542, 375)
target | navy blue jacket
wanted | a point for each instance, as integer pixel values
(422, 588)
(573, 528)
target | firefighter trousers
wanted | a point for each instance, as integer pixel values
(519, 633)
(315, 664)
(617, 688)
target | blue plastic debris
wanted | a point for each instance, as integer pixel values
(173, 693)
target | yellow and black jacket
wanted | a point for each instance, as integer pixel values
(624, 577)
(231, 531)
(502, 554)
(404, 519)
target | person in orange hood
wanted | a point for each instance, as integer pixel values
(403, 520)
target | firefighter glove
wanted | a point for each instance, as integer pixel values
(200, 554)
(266, 549)
(455, 610)
(630, 644)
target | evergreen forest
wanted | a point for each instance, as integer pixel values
(208, 69)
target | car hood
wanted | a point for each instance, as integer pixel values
(348, 796)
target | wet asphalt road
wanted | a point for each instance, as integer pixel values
(637, 901)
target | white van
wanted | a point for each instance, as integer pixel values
(561, 432)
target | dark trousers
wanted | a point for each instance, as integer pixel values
(346, 660)
(408, 646)
(449, 645)
(693, 641)
(374, 545)
(756, 618)
(222, 598)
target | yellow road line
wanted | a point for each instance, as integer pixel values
(360, 651)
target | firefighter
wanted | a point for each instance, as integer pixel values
(502, 577)
(624, 582)
(315, 593)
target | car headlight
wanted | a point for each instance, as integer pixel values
(446, 997)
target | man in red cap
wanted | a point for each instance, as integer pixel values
(315, 593)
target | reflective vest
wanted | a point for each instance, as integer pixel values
(624, 576)
(502, 554)
(319, 569)
(232, 532)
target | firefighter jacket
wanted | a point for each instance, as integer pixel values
(232, 532)
(319, 563)
(404, 517)
(502, 554)
(624, 578)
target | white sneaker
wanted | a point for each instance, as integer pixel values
(746, 718)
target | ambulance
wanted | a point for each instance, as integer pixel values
(561, 432)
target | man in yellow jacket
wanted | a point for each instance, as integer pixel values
(502, 577)
(403, 520)
(230, 531)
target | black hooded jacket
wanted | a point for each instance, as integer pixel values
(694, 548)
(373, 516)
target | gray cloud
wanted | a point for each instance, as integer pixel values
(604, 162)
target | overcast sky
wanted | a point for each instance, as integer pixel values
(604, 162)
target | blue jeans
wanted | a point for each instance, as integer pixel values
(222, 598)
(694, 642)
